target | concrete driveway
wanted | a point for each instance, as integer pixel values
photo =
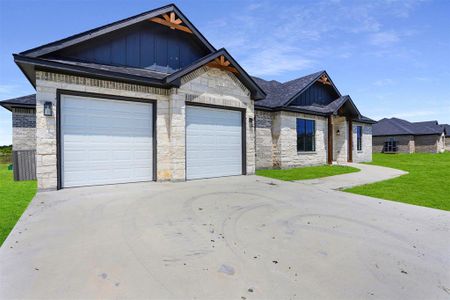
(232, 238)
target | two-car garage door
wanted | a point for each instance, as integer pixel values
(106, 141)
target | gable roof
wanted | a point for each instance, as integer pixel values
(40, 58)
(28, 101)
(396, 126)
(279, 94)
(96, 32)
(256, 92)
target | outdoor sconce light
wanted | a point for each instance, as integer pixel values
(250, 122)
(48, 109)
(338, 132)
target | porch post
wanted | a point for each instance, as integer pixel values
(330, 139)
(350, 139)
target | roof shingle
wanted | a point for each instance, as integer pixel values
(24, 101)
(278, 94)
(396, 126)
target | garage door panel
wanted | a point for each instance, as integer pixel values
(105, 141)
(213, 142)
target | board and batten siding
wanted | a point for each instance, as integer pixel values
(145, 45)
(317, 93)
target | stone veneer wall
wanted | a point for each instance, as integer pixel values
(24, 128)
(47, 84)
(441, 143)
(447, 143)
(205, 85)
(264, 141)
(366, 153)
(340, 141)
(405, 143)
(276, 141)
(285, 141)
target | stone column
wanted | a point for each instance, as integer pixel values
(177, 113)
(46, 168)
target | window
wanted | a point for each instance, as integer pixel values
(359, 138)
(306, 135)
(390, 146)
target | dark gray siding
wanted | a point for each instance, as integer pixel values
(144, 45)
(24, 165)
(317, 93)
(24, 117)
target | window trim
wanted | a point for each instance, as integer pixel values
(313, 150)
(390, 145)
(359, 137)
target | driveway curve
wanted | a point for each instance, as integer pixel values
(244, 237)
(367, 174)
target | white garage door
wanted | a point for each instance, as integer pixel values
(105, 141)
(213, 142)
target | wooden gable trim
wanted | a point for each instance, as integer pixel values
(324, 80)
(172, 21)
(223, 64)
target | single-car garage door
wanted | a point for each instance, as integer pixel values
(105, 141)
(213, 142)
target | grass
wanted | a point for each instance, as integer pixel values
(14, 198)
(427, 184)
(306, 172)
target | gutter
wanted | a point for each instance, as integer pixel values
(40, 64)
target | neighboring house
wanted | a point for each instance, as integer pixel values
(447, 136)
(400, 136)
(307, 121)
(23, 111)
(149, 98)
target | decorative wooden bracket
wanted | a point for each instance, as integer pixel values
(171, 21)
(223, 64)
(324, 80)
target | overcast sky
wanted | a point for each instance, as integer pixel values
(391, 57)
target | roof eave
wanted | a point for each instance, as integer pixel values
(86, 71)
(398, 134)
(9, 106)
(365, 121)
(291, 109)
(349, 99)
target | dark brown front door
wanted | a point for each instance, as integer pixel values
(330, 139)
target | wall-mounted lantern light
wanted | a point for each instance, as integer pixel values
(338, 132)
(250, 122)
(48, 109)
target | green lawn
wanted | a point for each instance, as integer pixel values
(14, 198)
(427, 184)
(306, 172)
